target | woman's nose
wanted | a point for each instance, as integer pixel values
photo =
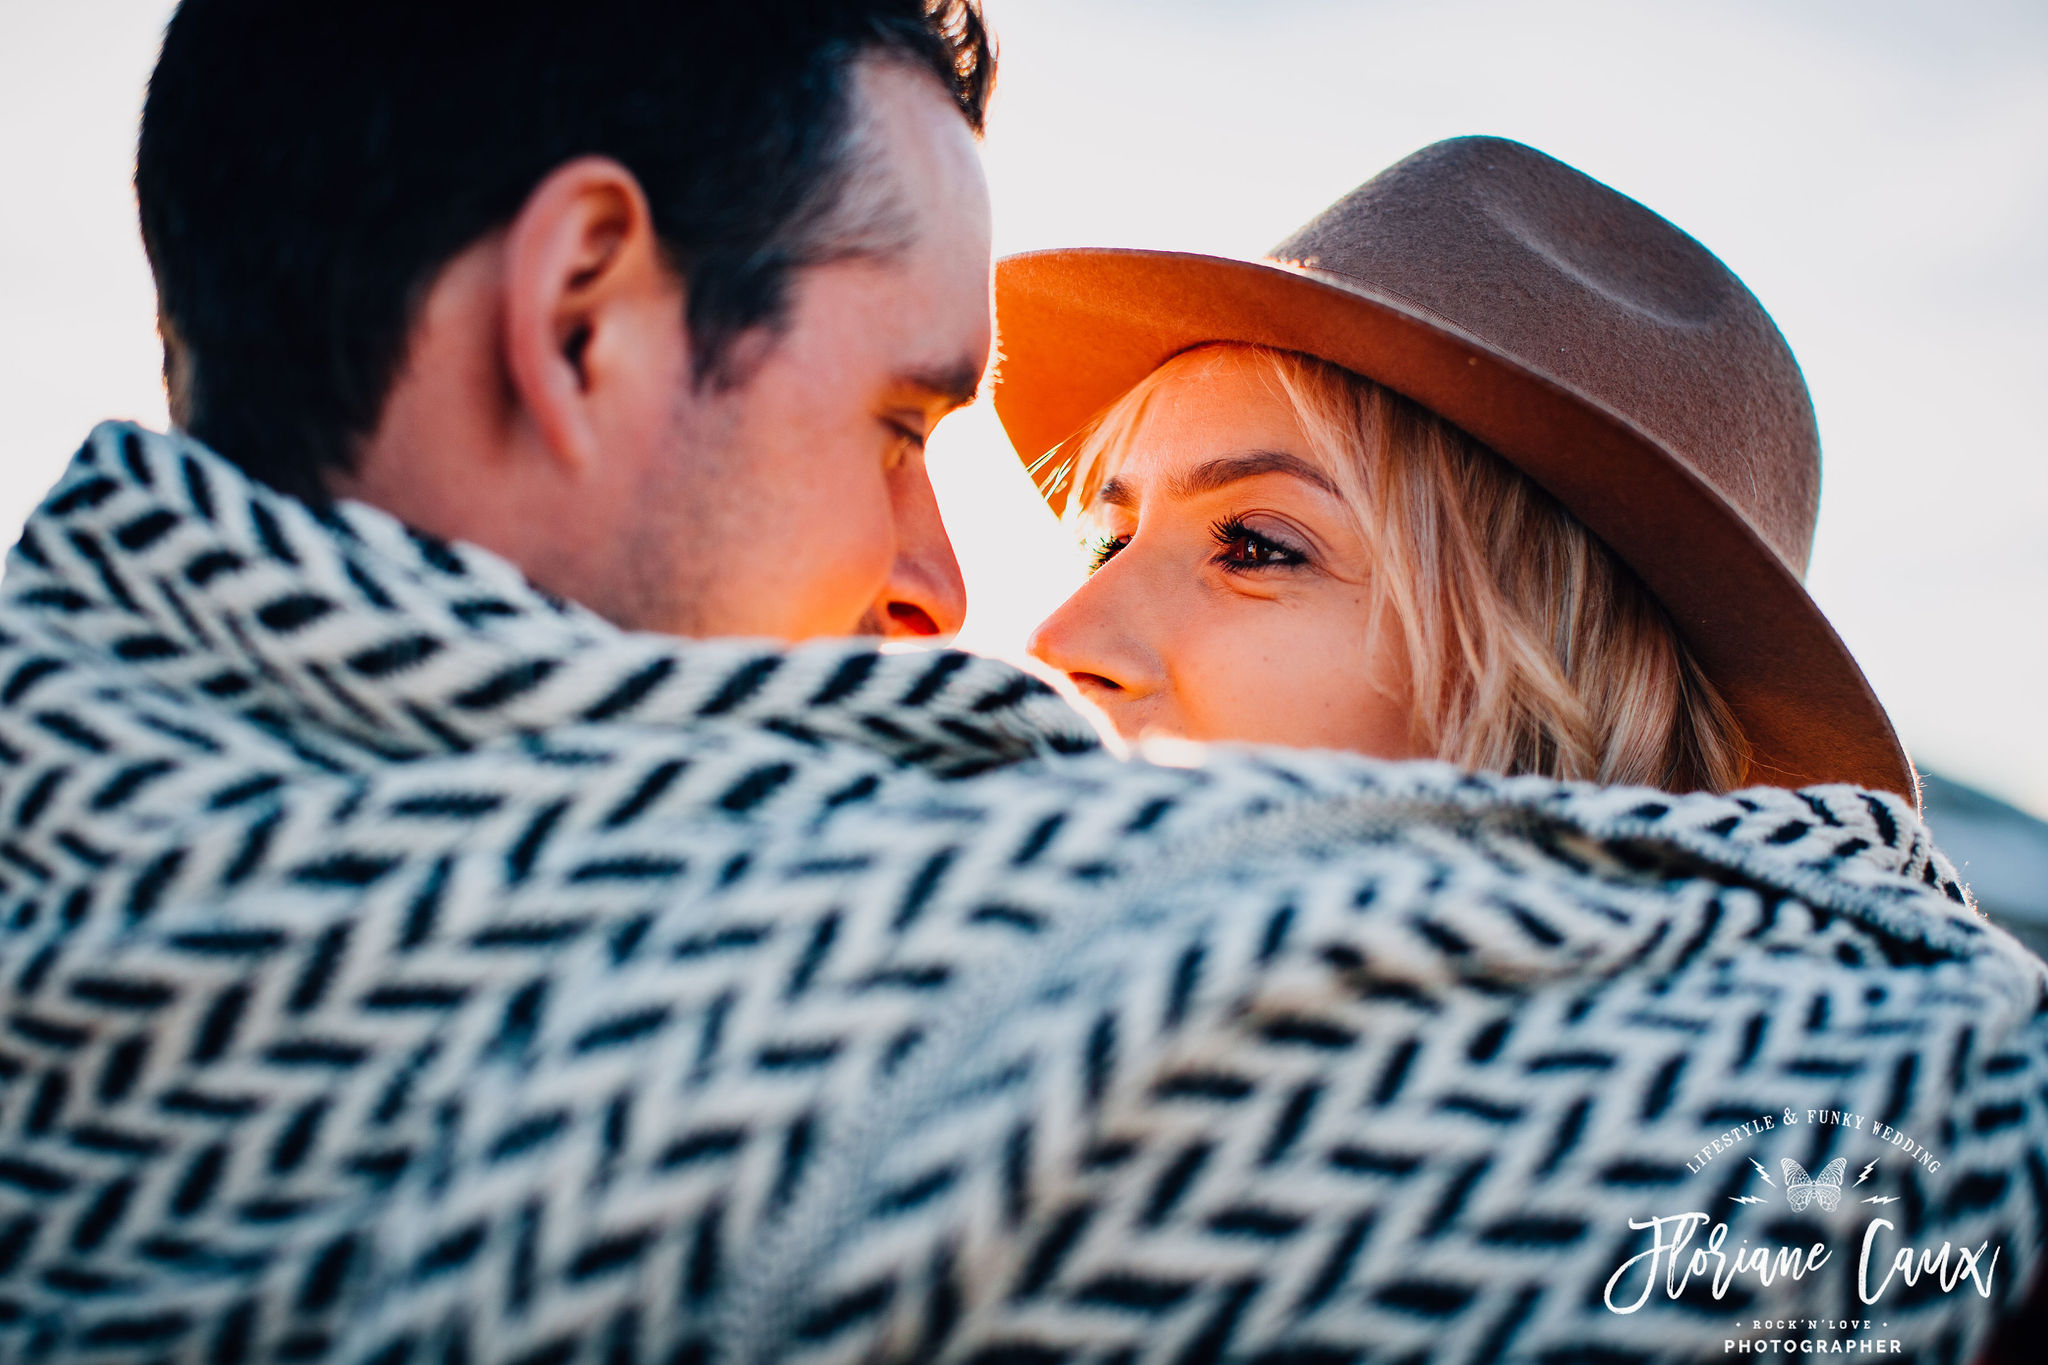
(1100, 639)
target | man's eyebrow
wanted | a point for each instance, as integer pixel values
(1207, 478)
(956, 386)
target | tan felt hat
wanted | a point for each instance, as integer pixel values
(1595, 346)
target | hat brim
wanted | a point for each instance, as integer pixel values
(1080, 327)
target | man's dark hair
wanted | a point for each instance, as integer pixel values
(306, 168)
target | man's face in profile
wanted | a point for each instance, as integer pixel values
(796, 503)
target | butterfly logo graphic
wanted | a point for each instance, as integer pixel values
(1824, 1189)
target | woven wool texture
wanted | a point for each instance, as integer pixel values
(399, 965)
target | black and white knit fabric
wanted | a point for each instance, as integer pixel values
(399, 965)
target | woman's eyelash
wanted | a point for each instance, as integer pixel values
(1240, 549)
(1103, 548)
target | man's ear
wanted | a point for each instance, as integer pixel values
(584, 272)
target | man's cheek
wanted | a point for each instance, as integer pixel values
(869, 551)
(847, 551)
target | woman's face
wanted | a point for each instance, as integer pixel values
(1233, 596)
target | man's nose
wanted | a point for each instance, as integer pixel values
(1099, 636)
(925, 595)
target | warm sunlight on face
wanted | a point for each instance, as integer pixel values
(1233, 595)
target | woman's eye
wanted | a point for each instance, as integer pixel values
(1102, 549)
(1240, 547)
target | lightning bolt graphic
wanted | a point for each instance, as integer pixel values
(1744, 1199)
(1882, 1199)
(1762, 1172)
(1866, 1173)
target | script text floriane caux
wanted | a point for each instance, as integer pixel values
(1673, 1259)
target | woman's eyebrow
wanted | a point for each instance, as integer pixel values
(1207, 478)
(1116, 491)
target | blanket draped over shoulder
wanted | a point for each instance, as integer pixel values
(397, 964)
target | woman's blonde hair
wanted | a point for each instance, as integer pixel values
(1533, 648)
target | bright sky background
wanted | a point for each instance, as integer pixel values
(1877, 172)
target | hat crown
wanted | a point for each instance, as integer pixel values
(1591, 290)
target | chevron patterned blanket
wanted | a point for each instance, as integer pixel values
(399, 965)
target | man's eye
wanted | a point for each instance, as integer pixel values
(905, 442)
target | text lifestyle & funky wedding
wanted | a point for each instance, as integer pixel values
(1840, 1118)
